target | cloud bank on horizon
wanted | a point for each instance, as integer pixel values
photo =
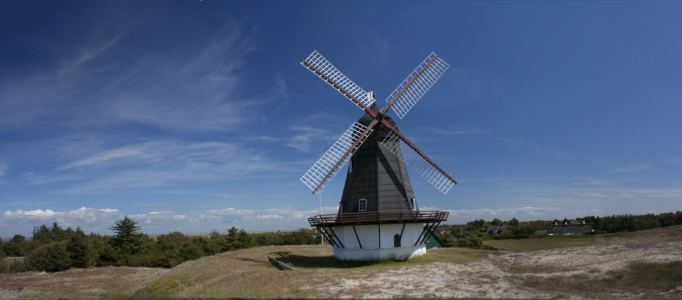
(198, 116)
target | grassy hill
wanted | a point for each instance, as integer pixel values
(645, 264)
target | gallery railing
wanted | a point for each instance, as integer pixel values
(379, 217)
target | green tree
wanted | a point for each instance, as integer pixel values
(42, 234)
(215, 235)
(469, 240)
(57, 232)
(107, 255)
(51, 258)
(16, 246)
(190, 251)
(127, 235)
(513, 222)
(496, 221)
(2, 252)
(79, 252)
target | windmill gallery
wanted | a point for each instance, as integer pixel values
(378, 217)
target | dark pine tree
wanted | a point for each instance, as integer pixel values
(127, 235)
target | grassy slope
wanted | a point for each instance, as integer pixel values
(248, 274)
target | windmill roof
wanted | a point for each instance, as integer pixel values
(379, 130)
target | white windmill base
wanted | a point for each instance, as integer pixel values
(399, 253)
(378, 241)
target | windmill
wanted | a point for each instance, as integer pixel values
(378, 217)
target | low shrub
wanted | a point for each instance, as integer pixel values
(14, 266)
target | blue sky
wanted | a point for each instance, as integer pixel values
(196, 115)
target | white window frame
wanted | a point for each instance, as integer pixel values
(362, 204)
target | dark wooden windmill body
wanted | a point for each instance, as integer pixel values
(377, 175)
(378, 216)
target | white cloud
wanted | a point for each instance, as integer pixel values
(2, 169)
(90, 219)
(269, 217)
(631, 168)
(520, 213)
(227, 212)
(161, 221)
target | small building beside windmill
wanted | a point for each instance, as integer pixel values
(432, 240)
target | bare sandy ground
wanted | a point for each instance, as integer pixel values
(501, 274)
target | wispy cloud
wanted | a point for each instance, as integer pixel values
(525, 145)
(159, 163)
(677, 160)
(200, 91)
(37, 180)
(302, 141)
(456, 130)
(2, 169)
(631, 168)
(281, 89)
(130, 152)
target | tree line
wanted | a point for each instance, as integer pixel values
(56, 249)
(473, 233)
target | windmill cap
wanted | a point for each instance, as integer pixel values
(379, 130)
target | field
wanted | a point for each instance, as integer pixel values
(645, 264)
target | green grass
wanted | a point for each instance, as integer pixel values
(164, 287)
(550, 242)
(638, 277)
(649, 276)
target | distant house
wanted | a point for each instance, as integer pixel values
(541, 231)
(496, 229)
(571, 229)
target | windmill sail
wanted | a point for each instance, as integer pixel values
(326, 163)
(417, 162)
(420, 86)
(317, 64)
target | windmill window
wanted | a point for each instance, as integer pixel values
(362, 205)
